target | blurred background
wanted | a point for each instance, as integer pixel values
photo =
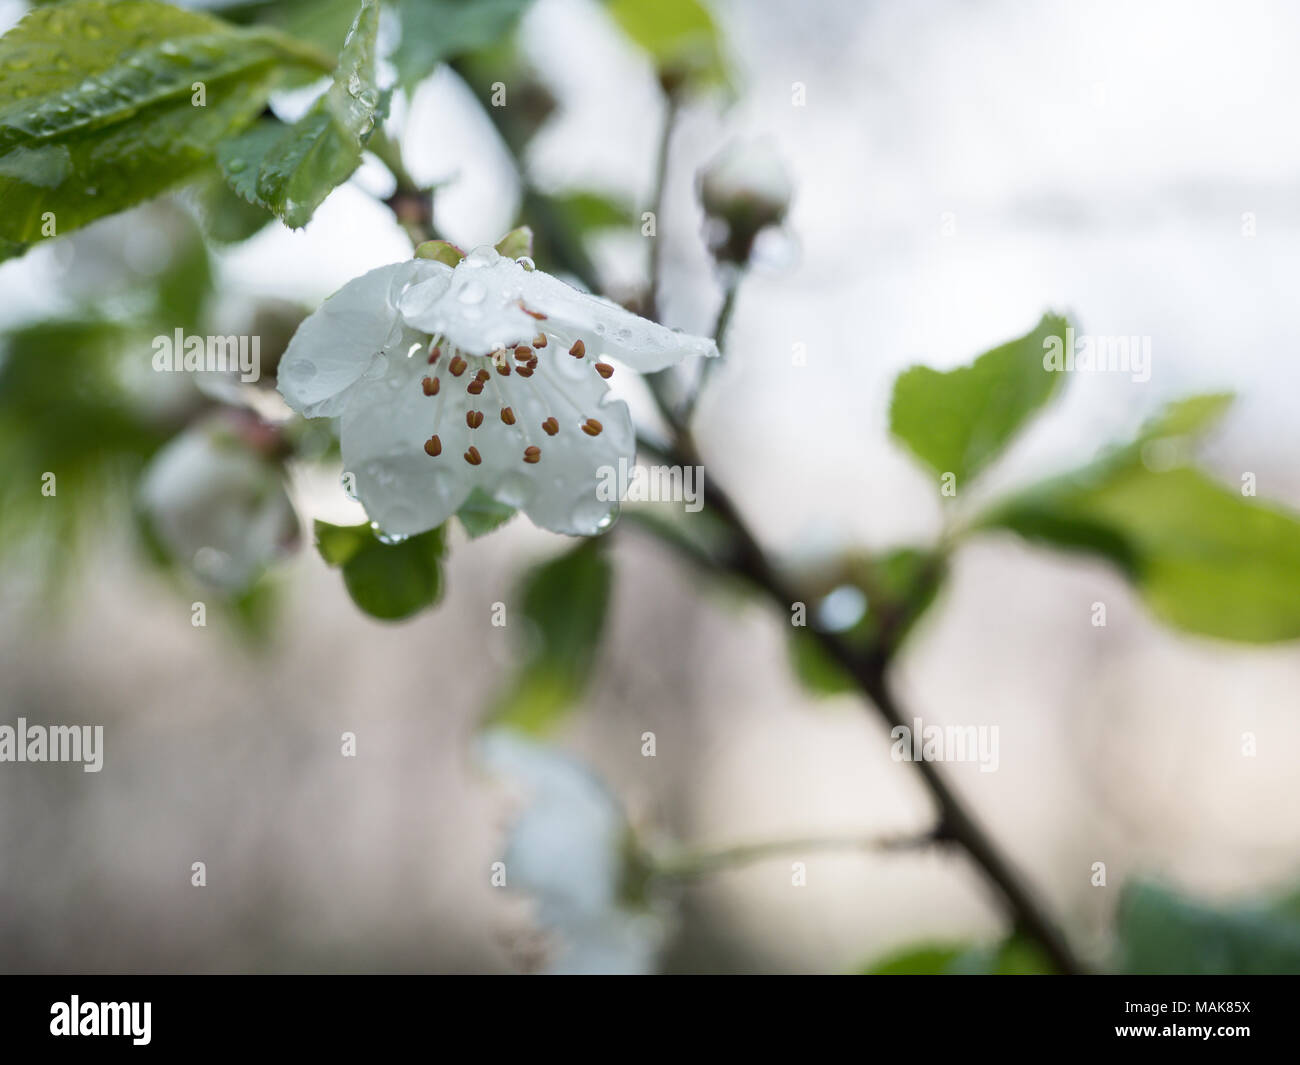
(958, 168)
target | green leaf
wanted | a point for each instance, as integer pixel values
(97, 110)
(481, 514)
(591, 210)
(289, 170)
(563, 602)
(1161, 932)
(437, 30)
(929, 959)
(1014, 956)
(323, 24)
(679, 35)
(959, 421)
(587, 211)
(1204, 558)
(1187, 417)
(387, 581)
(227, 217)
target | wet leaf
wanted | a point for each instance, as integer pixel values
(290, 169)
(100, 108)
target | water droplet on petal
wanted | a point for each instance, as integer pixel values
(388, 538)
(592, 514)
(526, 262)
(302, 370)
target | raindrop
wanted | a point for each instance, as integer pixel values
(526, 262)
(592, 514)
(841, 608)
(303, 371)
(388, 538)
(354, 84)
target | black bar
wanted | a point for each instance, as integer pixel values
(441, 1013)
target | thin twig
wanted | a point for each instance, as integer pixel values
(700, 863)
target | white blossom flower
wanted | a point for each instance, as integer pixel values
(567, 849)
(486, 374)
(218, 505)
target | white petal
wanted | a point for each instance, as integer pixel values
(384, 427)
(388, 418)
(606, 329)
(482, 310)
(479, 310)
(561, 491)
(336, 344)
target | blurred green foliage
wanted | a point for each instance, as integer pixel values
(1163, 932)
(1205, 558)
(1013, 956)
(563, 601)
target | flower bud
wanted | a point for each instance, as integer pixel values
(745, 188)
(217, 503)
